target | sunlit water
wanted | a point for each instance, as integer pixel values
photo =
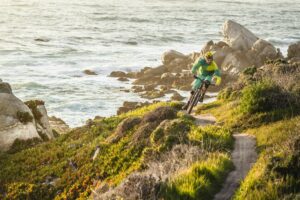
(107, 35)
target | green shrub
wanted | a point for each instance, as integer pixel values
(263, 96)
(250, 71)
(212, 138)
(201, 181)
(27, 191)
(19, 145)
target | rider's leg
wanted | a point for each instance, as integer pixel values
(204, 88)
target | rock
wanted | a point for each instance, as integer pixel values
(137, 88)
(58, 125)
(153, 94)
(177, 97)
(44, 121)
(164, 88)
(157, 71)
(235, 62)
(5, 88)
(167, 75)
(237, 36)
(207, 47)
(117, 74)
(146, 80)
(39, 112)
(167, 78)
(149, 87)
(294, 60)
(11, 128)
(127, 106)
(123, 79)
(89, 72)
(42, 40)
(263, 51)
(123, 127)
(169, 56)
(294, 50)
(194, 57)
(221, 53)
(125, 90)
(176, 129)
(222, 44)
(159, 114)
(130, 104)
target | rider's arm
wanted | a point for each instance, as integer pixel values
(217, 74)
(196, 67)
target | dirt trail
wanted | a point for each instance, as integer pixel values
(243, 157)
(203, 120)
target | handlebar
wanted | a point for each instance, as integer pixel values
(196, 77)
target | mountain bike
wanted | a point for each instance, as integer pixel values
(198, 94)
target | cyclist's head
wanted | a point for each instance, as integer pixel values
(209, 56)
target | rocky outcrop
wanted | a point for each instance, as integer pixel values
(58, 125)
(127, 106)
(237, 36)
(239, 49)
(18, 121)
(294, 52)
(89, 72)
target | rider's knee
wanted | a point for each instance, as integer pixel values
(206, 83)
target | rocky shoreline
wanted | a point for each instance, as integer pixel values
(238, 50)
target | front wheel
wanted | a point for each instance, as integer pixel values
(194, 101)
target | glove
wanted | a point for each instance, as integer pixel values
(218, 81)
(195, 76)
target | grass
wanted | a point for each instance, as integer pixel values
(201, 181)
(63, 168)
(275, 175)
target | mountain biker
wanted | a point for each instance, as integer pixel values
(205, 69)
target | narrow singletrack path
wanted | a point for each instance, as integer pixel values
(243, 157)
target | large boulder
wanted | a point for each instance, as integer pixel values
(44, 123)
(237, 36)
(58, 125)
(16, 120)
(5, 87)
(263, 51)
(235, 62)
(169, 56)
(294, 50)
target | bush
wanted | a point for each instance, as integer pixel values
(19, 144)
(27, 191)
(264, 96)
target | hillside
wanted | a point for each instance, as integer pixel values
(158, 151)
(67, 168)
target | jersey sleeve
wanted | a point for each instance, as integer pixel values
(196, 67)
(217, 70)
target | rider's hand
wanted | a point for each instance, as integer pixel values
(195, 76)
(217, 80)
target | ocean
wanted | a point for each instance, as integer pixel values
(45, 45)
